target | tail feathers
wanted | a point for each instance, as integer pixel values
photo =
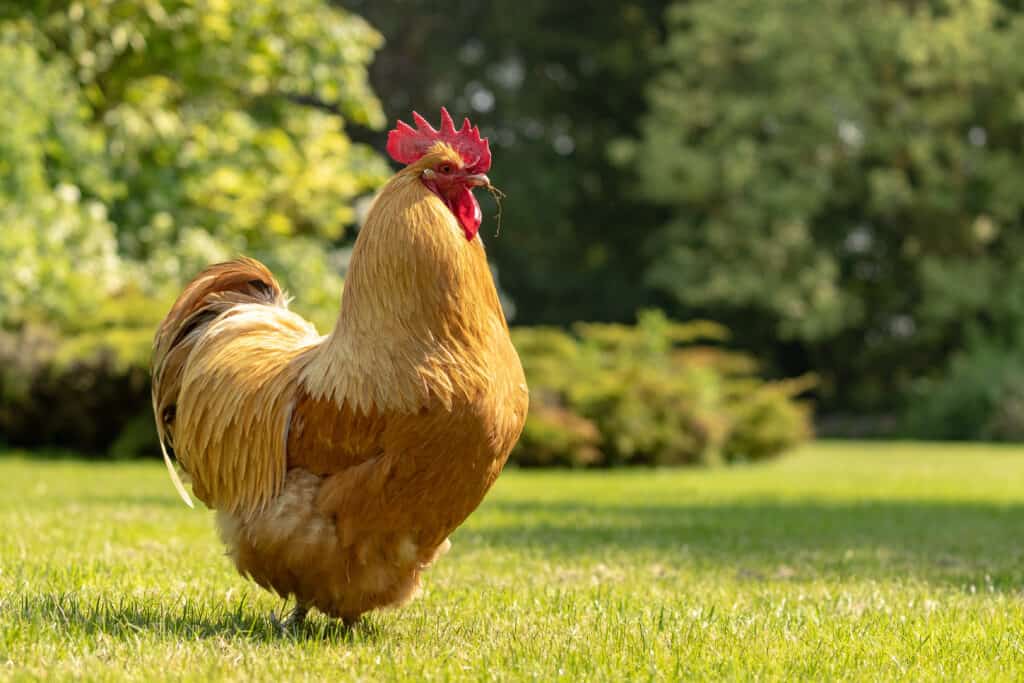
(213, 292)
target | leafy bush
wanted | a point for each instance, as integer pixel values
(59, 249)
(84, 386)
(650, 394)
(980, 395)
(766, 420)
(79, 395)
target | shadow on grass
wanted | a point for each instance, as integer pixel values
(965, 543)
(182, 620)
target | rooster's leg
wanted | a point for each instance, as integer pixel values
(294, 619)
(297, 616)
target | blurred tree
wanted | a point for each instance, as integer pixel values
(553, 85)
(210, 145)
(842, 176)
(59, 251)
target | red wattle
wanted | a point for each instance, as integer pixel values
(466, 209)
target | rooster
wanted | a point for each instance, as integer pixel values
(338, 465)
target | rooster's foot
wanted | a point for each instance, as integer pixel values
(294, 620)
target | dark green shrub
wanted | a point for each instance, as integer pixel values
(81, 389)
(979, 396)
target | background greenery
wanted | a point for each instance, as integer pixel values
(834, 184)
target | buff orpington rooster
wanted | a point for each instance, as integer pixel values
(338, 465)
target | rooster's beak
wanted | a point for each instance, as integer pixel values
(478, 180)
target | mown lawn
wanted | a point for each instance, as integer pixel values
(852, 561)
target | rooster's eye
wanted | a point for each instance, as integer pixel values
(444, 168)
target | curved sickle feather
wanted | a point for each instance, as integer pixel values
(175, 479)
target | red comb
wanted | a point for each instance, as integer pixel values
(407, 144)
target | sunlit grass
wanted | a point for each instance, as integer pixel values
(853, 561)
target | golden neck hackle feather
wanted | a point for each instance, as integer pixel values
(420, 311)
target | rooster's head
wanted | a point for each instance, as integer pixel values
(452, 163)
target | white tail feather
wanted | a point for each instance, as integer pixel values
(175, 479)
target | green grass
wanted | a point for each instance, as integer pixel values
(844, 561)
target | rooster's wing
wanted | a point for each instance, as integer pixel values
(238, 391)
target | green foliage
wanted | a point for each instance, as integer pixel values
(650, 394)
(58, 249)
(139, 142)
(979, 396)
(47, 140)
(80, 392)
(844, 176)
(766, 420)
(60, 256)
(144, 140)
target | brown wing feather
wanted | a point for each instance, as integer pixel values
(325, 439)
